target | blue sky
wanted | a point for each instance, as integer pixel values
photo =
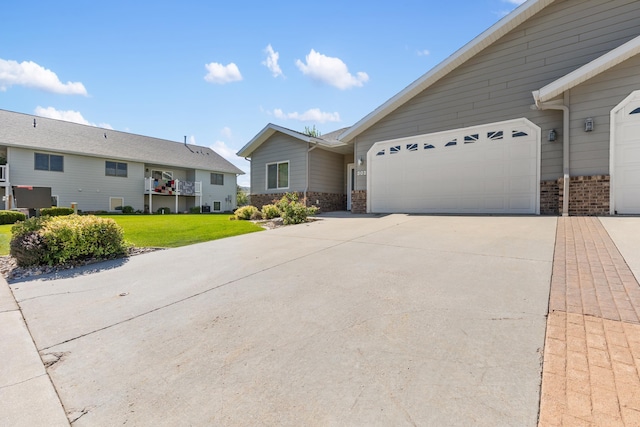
(218, 72)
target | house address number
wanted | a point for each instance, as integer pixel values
(362, 173)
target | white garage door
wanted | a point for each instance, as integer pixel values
(625, 167)
(492, 168)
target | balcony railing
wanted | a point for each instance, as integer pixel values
(174, 187)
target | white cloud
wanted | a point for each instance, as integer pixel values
(30, 74)
(312, 115)
(331, 71)
(229, 153)
(423, 52)
(271, 62)
(226, 132)
(222, 74)
(67, 116)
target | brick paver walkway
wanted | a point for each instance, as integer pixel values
(592, 348)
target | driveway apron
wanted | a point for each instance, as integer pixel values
(377, 320)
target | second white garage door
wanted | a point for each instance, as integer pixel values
(493, 168)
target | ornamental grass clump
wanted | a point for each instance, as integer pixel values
(246, 212)
(66, 239)
(270, 211)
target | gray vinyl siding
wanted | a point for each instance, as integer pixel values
(326, 172)
(496, 84)
(589, 153)
(225, 194)
(83, 180)
(279, 148)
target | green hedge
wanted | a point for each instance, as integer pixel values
(56, 211)
(58, 240)
(11, 217)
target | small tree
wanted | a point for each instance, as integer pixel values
(312, 131)
(242, 198)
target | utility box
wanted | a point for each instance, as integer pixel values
(29, 197)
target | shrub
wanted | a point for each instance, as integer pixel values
(245, 212)
(257, 215)
(57, 240)
(28, 249)
(127, 210)
(292, 211)
(194, 210)
(11, 217)
(163, 211)
(270, 211)
(55, 211)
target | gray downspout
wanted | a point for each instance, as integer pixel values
(306, 187)
(565, 147)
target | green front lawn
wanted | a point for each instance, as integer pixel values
(166, 231)
(5, 238)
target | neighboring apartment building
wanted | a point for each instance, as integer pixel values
(104, 170)
(538, 114)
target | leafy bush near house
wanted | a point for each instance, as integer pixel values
(270, 211)
(163, 211)
(11, 217)
(128, 209)
(293, 211)
(56, 211)
(194, 210)
(245, 212)
(58, 240)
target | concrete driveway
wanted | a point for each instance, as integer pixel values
(390, 320)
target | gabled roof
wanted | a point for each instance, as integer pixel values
(328, 141)
(499, 29)
(17, 130)
(587, 71)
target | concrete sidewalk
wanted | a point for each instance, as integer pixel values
(592, 347)
(27, 397)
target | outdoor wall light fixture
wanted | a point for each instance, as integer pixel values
(552, 135)
(588, 125)
(360, 161)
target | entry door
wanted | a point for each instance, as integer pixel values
(351, 182)
(625, 156)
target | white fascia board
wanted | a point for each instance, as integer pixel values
(589, 70)
(489, 36)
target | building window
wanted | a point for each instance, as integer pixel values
(162, 175)
(217, 206)
(48, 162)
(217, 179)
(116, 203)
(278, 175)
(115, 169)
(54, 201)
